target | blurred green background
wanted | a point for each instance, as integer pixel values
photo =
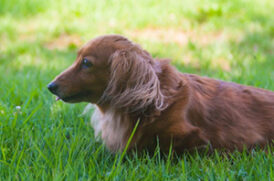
(41, 139)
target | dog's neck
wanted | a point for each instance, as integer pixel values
(171, 81)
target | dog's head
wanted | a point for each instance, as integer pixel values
(110, 69)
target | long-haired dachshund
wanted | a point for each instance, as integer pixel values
(183, 110)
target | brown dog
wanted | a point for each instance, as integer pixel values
(187, 111)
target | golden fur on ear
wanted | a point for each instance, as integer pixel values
(134, 84)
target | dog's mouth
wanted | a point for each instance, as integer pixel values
(74, 98)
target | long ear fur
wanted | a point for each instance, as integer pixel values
(134, 84)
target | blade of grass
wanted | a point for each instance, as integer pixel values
(113, 172)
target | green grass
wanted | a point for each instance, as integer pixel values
(42, 139)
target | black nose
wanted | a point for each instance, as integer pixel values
(53, 87)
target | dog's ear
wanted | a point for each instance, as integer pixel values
(134, 84)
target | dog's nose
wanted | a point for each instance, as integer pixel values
(53, 87)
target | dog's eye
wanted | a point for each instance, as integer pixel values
(86, 63)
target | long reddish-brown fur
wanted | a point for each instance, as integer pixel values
(185, 110)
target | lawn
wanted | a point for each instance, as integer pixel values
(41, 139)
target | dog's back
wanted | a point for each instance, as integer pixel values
(231, 115)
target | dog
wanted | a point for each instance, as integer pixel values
(186, 111)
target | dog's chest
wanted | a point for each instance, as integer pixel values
(112, 127)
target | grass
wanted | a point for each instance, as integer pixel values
(41, 139)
